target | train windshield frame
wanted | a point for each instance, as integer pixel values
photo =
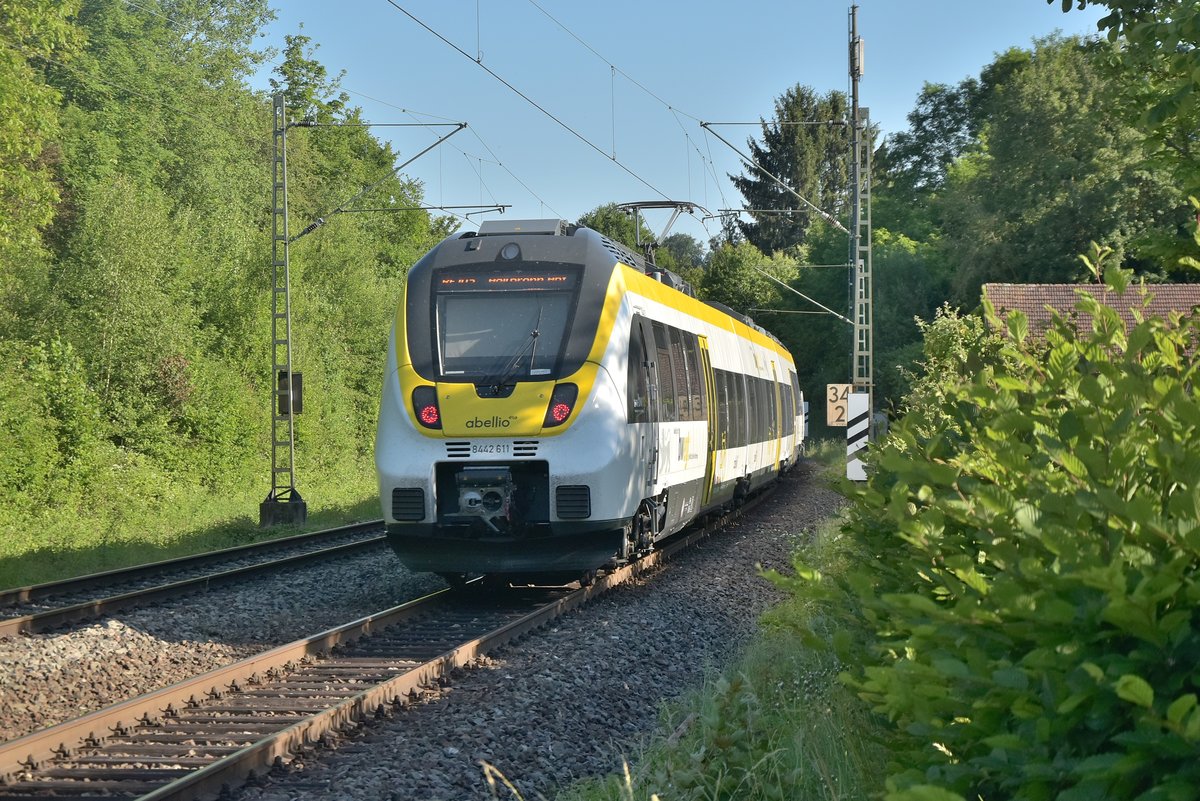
(503, 326)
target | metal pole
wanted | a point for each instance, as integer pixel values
(283, 504)
(860, 408)
(853, 156)
(862, 368)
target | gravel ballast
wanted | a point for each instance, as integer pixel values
(50, 678)
(562, 703)
(567, 701)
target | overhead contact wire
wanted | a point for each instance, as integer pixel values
(675, 112)
(623, 73)
(529, 100)
(504, 167)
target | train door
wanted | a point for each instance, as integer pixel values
(710, 393)
(643, 389)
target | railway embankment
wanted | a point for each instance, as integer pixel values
(569, 701)
(574, 700)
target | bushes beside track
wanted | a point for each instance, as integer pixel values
(1012, 594)
(1035, 534)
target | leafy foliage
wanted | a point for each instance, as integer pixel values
(804, 145)
(685, 250)
(32, 35)
(135, 301)
(1056, 173)
(1037, 540)
(613, 221)
(734, 276)
(944, 125)
(308, 92)
(1161, 60)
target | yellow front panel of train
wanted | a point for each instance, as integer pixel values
(522, 414)
(465, 414)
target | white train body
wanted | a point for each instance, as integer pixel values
(548, 407)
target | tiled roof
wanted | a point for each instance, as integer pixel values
(1036, 301)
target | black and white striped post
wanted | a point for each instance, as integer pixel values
(858, 426)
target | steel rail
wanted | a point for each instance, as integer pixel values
(36, 622)
(40, 751)
(38, 747)
(35, 592)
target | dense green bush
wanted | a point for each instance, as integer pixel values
(135, 283)
(1035, 534)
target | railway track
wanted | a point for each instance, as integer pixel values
(42, 607)
(190, 740)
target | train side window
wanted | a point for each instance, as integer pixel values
(795, 389)
(666, 381)
(721, 380)
(750, 423)
(638, 387)
(760, 410)
(753, 403)
(766, 429)
(725, 409)
(691, 348)
(790, 415)
(789, 420)
(739, 420)
(683, 403)
(773, 405)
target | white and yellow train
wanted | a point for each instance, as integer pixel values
(552, 404)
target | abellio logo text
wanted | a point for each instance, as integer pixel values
(495, 422)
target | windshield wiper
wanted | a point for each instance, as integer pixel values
(534, 334)
(513, 366)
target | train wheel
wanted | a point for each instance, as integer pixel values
(629, 542)
(639, 537)
(643, 529)
(741, 492)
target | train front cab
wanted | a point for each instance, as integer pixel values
(496, 448)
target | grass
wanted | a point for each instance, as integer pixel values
(777, 724)
(135, 526)
(829, 452)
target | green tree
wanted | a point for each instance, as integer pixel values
(944, 124)
(735, 277)
(29, 458)
(685, 249)
(1160, 62)
(1054, 172)
(819, 341)
(615, 223)
(34, 34)
(805, 145)
(126, 310)
(308, 91)
(909, 284)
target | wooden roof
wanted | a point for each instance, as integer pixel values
(1037, 301)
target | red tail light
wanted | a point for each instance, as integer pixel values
(562, 403)
(424, 400)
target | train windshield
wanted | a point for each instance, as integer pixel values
(502, 327)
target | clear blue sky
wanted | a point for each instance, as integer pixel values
(704, 60)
